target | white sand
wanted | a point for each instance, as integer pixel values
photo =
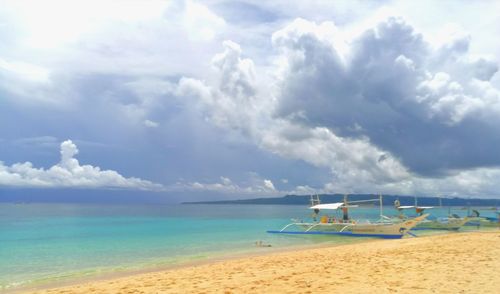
(452, 263)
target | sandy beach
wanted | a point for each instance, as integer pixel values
(451, 263)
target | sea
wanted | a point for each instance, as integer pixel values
(44, 244)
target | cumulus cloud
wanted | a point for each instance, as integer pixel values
(68, 173)
(406, 96)
(383, 109)
(234, 104)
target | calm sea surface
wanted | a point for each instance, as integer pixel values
(42, 243)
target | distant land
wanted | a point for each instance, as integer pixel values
(387, 200)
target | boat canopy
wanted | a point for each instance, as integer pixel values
(412, 206)
(405, 207)
(331, 206)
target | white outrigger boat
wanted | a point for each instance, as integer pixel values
(345, 226)
(440, 223)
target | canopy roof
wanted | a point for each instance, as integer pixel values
(331, 206)
(412, 206)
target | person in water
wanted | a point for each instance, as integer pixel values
(261, 244)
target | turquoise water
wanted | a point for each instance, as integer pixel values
(42, 243)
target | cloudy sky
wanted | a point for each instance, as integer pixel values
(237, 99)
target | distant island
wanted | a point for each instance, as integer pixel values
(387, 200)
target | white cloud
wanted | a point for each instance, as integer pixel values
(68, 173)
(225, 185)
(480, 182)
(269, 185)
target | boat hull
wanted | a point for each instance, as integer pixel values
(451, 224)
(347, 234)
(381, 230)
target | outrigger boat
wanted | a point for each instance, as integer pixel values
(441, 223)
(345, 226)
(474, 219)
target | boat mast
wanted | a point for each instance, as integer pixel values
(381, 209)
(315, 200)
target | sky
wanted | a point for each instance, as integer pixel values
(200, 100)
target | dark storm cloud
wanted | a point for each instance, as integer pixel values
(383, 89)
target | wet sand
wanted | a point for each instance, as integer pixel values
(451, 263)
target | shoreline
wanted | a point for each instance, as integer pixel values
(258, 261)
(187, 263)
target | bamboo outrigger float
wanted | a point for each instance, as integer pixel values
(345, 226)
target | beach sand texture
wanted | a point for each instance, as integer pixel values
(451, 263)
